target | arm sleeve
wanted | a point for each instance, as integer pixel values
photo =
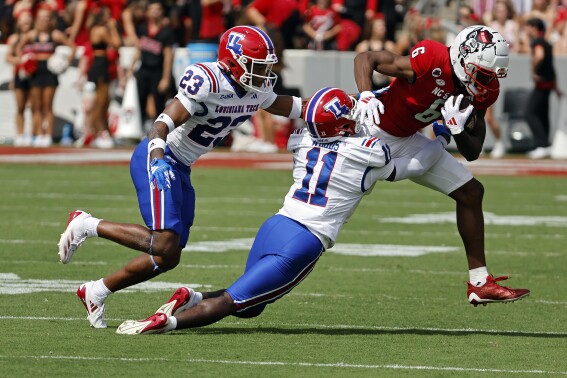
(188, 103)
(270, 98)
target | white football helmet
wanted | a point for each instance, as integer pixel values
(479, 54)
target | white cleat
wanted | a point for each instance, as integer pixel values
(95, 309)
(73, 236)
(157, 323)
(181, 300)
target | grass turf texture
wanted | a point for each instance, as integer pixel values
(353, 316)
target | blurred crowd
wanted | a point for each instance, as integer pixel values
(317, 24)
(157, 27)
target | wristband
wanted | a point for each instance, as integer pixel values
(156, 143)
(295, 108)
(167, 120)
(365, 94)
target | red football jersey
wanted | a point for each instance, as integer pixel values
(410, 107)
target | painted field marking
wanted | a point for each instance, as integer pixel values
(349, 249)
(12, 284)
(343, 365)
(489, 219)
(464, 331)
(378, 231)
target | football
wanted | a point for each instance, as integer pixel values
(471, 121)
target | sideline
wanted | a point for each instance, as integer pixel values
(512, 166)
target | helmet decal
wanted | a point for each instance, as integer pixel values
(477, 40)
(485, 37)
(233, 43)
(336, 108)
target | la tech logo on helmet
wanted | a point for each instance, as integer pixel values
(334, 106)
(234, 43)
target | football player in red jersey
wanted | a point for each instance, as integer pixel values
(429, 85)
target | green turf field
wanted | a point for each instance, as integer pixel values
(389, 314)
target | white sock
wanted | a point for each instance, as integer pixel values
(477, 276)
(100, 291)
(90, 226)
(171, 322)
(197, 298)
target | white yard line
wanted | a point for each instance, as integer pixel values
(342, 365)
(332, 326)
(350, 249)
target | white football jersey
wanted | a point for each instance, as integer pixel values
(216, 109)
(330, 179)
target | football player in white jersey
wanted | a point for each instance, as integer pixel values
(334, 168)
(213, 99)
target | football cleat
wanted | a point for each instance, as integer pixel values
(157, 323)
(73, 236)
(491, 292)
(181, 300)
(95, 309)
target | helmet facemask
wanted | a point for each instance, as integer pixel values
(258, 75)
(479, 79)
(336, 131)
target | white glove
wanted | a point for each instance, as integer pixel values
(367, 109)
(455, 119)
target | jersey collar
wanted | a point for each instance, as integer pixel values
(237, 89)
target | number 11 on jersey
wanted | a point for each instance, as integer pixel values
(328, 160)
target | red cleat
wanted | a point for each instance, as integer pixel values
(73, 236)
(181, 300)
(157, 323)
(491, 292)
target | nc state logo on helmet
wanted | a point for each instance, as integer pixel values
(327, 115)
(479, 55)
(246, 53)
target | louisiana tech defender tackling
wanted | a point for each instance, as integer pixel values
(430, 84)
(213, 99)
(333, 171)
